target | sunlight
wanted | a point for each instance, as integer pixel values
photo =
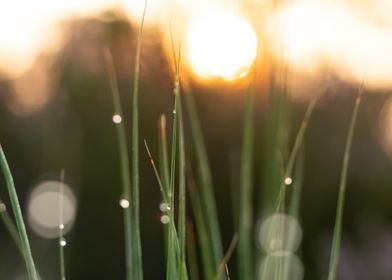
(220, 45)
(318, 34)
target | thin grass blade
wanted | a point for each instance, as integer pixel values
(124, 165)
(209, 267)
(31, 269)
(138, 273)
(208, 204)
(245, 255)
(337, 234)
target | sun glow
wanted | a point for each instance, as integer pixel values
(220, 45)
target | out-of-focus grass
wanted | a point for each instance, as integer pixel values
(337, 234)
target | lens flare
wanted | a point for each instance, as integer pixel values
(220, 45)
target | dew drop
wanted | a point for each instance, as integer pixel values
(288, 181)
(63, 242)
(174, 111)
(165, 219)
(124, 203)
(61, 226)
(117, 119)
(164, 207)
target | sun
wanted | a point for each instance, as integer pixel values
(220, 45)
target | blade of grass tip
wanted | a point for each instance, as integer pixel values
(206, 190)
(207, 258)
(31, 270)
(337, 234)
(227, 257)
(192, 253)
(163, 154)
(138, 273)
(61, 227)
(245, 258)
(124, 165)
(10, 226)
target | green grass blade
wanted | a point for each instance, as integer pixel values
(245, 231)
(192, 253)
(10, 226)
(182, 192)
(61, 227)
(206, 190)
(138, 273)
(163, 154)
(223, 265)
(294, 152)
(337, 234)
(172, 272)
(125, 168)
(209, 267)
(31, 270)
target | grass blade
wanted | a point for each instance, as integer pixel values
(10, 226)
(192, 253)
(226, 258)
(293, 154)
(337, 234)
(163, 154)
(245, 256)
(208, 206)
(124, 165)
(209, 267)
(138, 273)
(31, 270)
(171, 262)
(61, 227)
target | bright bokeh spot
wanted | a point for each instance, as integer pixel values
(51, 205)
(221, 45)
(280, 233)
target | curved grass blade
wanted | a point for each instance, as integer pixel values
(337, 234)
(293, 154)
(138, 273)
(125, 167)
(245, 255)
(31, 270)
(223, 265)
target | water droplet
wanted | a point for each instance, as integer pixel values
(288, 181)
(3, 208)
(63, 242)
(61, 226)
(174, 111)
(165, 219)
(164, 207)
(117, 119)
(124, 203)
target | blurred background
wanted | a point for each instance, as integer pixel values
(56, 113)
